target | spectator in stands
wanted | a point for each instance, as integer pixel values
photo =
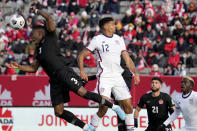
(19, 46)
(140, 33)
(178, 31)
(163, 30)
(37, 4)
(136, 6)
(191, 45)
(94, 19)
(114, 7)
(119, 28)
(128, 18)
(73, 20)
(75, 32)
(92, 6)
(84, 21)
(27, 60)
(73, 7)
(140, 61)
(63, 21)
(187, 59)
(161, 17)
(185, 21)
(149, 10)
(30, 46)
(78, 45)
(59, 2)
(181, 45)
(174, 58)
(129, 33)
(8, 70)
(186, 36)
(83, 3)
(63, 8)
(103, 7)
(176, 18)
(3, 39)
(169, 70)
(192, 6)
(169, 45)
(2, 59)
(155, 71)
(66, 43)
(90, 61)
(180, 70)
(158, 45)
(9, 32)
(70, 59)
(191, 31)
(194, 19)
(89, 34)
(146, 46)
(151, 21)
(150, 33)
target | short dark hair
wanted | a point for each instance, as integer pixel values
(105, 20)
(158, 79)
(191, 80)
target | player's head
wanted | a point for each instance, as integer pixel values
(187, 84)
(38, 32)
(156, 84)
(107, 24)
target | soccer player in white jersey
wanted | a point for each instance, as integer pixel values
(186, 103)
(109, 48)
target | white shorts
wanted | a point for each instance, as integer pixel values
(116, 86)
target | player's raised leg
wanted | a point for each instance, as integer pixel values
(71, 118)
(98, 98)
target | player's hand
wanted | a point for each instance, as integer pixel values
(14, 65)
(33, 9)
(83, 75)
(161, 128)
(135, 122)
(136, 79)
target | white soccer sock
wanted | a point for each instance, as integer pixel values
(129, 121)
(114, 107)
(95, 120)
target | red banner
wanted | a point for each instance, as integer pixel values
(35, 90)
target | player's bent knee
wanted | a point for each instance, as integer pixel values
(102, 110)
(127, 107)
(59, 109)
(82, 91)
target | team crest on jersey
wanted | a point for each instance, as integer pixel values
(191, 101)
(160, 101)
(117, 42)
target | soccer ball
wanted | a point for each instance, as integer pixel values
(17, 22)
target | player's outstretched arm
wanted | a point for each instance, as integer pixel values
(49, 20)
(81, 57)
(31, 69)
(131, 66)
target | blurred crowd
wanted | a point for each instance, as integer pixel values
(156, 35)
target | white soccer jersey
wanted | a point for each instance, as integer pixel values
(188, 108)
(108, 51)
